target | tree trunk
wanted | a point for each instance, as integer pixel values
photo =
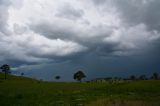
(5, 75)
(80, 80)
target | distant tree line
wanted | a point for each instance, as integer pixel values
(144, 77)
(79, 75)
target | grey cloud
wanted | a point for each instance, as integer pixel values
(17, 4)
(99, 2)
(4, 4)
(103, 40)
(133, 12)
(53, 31)
(140, 19)
(142, 11)
(153, 15)
(69, 12)
(12, 52)
(20, 46)
(90, 37)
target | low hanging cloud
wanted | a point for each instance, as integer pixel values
(42, 30)
(34, 48)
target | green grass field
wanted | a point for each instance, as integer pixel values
(20, 91)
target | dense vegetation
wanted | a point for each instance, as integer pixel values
(20, 91)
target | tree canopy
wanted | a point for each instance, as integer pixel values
(6, 69)
(79, 75)
(57, 77)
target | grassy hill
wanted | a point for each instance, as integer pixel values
(21, 91)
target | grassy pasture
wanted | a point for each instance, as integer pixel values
(20, 91)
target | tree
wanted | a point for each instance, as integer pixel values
(155, 75)
(22, 74)
(79, 75)
(142, 77)
(57, 77)
(6, 69)
(132, 77)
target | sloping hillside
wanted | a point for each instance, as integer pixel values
(23, 91)
(13, 77)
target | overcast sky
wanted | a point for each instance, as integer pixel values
(45, 38)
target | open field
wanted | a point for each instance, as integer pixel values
(20, 91)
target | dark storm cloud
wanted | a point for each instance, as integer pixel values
(133, 12)
(93, 37)
(97, 36)
(97, 67)
(102, 37)
(142, 11)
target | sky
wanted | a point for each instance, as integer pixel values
(104, 38)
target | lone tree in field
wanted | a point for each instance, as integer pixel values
(6, 69)
(79, 75)
(57, 77)
(22, 74)
(143, 77)
(132, 77)
(155, 76)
